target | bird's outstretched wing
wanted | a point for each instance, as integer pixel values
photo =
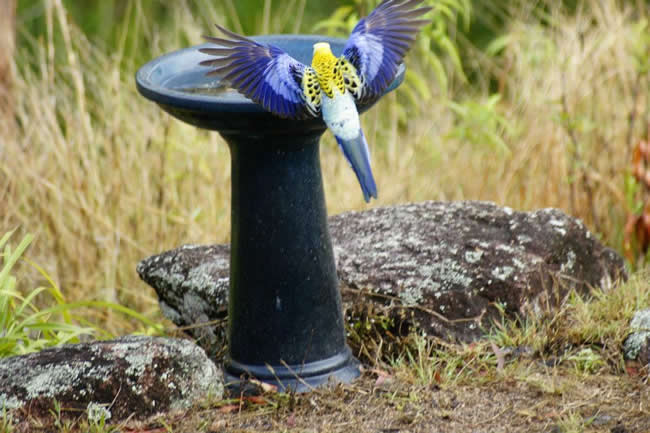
(379, 43)
(265, 74)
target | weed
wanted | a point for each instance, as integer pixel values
(572, 423)
(587, 361)
(6, 422)
(24, 327)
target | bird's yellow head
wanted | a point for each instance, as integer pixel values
(322, 56)
(325, 65)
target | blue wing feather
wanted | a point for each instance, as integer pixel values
(380, 41)
(263, 73)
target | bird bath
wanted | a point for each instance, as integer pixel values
(285, 321)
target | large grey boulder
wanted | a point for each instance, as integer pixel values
(449, 263)
(440, 266)
(134, 376)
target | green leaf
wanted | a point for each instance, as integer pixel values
(419, 84)
(439, 71)
(13, 258)
(445, 11)
(452, 52)
(412, 97)
(5, 238)
(336, 20)
(499, 44)
(28, 301)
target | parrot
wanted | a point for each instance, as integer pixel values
(331, 87)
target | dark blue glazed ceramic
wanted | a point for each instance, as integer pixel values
(285, 316)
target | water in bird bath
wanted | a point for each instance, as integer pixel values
(208, 90)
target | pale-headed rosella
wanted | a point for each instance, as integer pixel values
(331, 87)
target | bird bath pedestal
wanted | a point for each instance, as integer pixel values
(285, 321)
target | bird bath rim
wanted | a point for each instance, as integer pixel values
(175, 81)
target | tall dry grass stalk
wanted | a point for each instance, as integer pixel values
(573, 89)
(7, 49)
(570, 89)
(102, 176)
(105, 178)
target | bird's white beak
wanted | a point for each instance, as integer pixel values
(324, 46)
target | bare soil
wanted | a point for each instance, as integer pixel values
(545, 400)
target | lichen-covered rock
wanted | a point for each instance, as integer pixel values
(637, 345)
(134, 376)
(448, 263)
(440, 265)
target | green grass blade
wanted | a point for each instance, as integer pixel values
(13, 258)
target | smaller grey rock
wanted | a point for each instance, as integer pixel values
(133, 376)
(637, 344)
(601, 420)
(192, 286)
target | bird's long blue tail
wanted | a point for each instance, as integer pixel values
(357, 154)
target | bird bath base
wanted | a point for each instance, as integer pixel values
(341, 368)
(285, 320)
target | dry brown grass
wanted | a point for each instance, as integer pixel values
(104, 178)
(542, 401)
(561, 372)
(502, 405)
(569, 89)
(575, 88)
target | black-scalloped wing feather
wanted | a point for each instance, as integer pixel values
(263, 73)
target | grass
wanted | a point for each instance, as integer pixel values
(25, 328)
(550, 115)
(546, 375)
(107, 179)
(559, 371)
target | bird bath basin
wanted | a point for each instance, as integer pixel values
(285, 322)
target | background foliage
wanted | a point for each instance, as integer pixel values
(528, 104)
